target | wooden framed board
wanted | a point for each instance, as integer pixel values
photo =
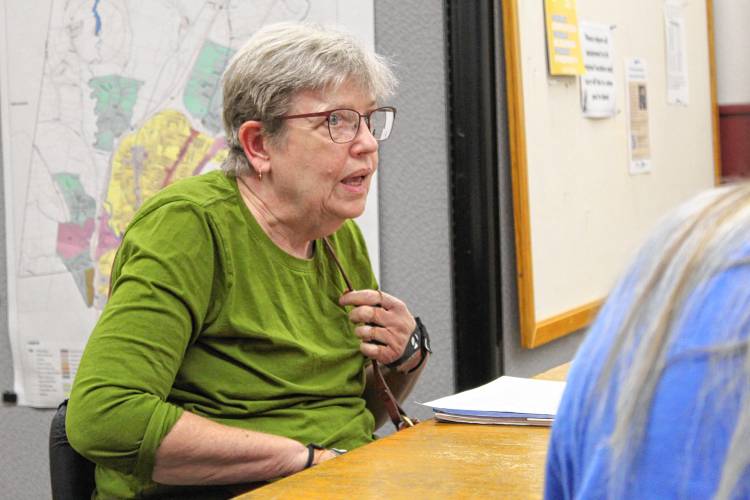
(579, 213)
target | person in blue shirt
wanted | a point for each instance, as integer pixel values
(657, 402)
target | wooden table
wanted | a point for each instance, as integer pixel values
(431, 460)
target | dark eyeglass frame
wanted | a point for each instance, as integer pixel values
(328, 114)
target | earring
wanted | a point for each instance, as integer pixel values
(260, 175)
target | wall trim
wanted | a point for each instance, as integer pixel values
(471, 54)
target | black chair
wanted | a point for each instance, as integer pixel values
(71, 475)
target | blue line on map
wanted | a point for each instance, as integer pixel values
(98, 18)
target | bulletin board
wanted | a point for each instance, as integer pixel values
(579, 213)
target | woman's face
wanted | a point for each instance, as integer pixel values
(322, 182)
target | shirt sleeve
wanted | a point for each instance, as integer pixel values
(161, 289)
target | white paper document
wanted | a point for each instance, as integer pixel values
(505, 397)
(639, 141)
(598, 83)
(677, 74)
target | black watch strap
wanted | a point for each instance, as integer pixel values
(418, 341)
(425, 348)
(311, 454)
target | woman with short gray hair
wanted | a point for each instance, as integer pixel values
(245, 329)
(267, 72)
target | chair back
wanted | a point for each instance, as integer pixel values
(71, 475)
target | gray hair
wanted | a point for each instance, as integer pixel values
(282, 59)
(701, 240)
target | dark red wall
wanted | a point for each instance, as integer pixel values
(734, 126)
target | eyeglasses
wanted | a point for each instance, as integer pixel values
(343, 124)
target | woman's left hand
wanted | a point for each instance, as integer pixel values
(384, 318)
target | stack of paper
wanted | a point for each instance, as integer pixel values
(507, 400)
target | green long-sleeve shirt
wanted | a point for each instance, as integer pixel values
(208, 315)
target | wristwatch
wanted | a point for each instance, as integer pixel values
(311, 453)
(418, 341)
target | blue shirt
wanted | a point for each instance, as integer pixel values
(694, 408)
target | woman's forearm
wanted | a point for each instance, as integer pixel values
(199, 451)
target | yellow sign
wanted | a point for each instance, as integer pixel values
(563, 45)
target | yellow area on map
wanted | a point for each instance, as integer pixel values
(103, 270)
(162, 151)
(220, 156)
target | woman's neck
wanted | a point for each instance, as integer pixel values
(292, 239)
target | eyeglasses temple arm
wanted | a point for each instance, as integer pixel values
(397, 414)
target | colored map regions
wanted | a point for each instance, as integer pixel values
(166, 148)
(74, 236)
(115, 97)
(202, 96)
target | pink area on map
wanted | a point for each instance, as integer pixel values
(107, 238)
(219, 144)
(73, 239)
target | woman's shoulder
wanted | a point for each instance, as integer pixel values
(201, 189)
(200, 192)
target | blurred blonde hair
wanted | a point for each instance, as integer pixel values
(699, 241)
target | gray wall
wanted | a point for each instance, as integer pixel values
(415, 239)
(414, 189)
